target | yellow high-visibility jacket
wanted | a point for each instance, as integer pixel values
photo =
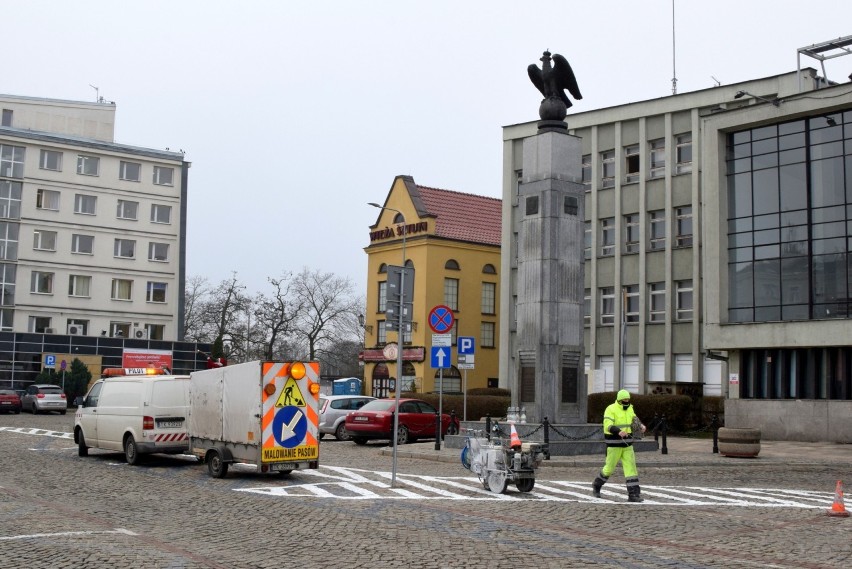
(617, 419)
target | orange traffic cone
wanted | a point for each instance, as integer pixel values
(837, 508)
(515, 440)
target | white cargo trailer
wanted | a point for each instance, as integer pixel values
(263, 413)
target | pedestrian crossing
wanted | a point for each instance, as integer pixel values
(343, 483)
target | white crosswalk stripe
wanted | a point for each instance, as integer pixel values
(358, 484)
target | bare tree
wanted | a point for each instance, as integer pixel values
(275, 317)
(194, 297)
(327, 301)
(223, 312)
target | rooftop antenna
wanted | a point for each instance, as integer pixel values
(674, 70)
(97, 91)
(718, 83)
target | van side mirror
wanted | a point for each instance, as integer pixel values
(80, 401)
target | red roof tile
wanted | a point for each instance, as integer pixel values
(463, 217)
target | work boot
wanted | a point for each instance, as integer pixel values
(600, 480)
(633, 494)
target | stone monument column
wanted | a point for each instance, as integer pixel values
(550, 279)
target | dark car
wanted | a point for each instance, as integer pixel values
(10, 402)
(375, 421)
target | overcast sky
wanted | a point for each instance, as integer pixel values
(296, 114)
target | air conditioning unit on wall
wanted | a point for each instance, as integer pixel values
(75, 330)
(140, 334)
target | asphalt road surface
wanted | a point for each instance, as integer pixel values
(60, 510)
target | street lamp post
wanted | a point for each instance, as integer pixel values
(401, 340)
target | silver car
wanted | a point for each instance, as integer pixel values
(333, 411)
(43, 398)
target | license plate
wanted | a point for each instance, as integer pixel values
(5, 402)
(360, 419)
(279, 466)
(170, 424)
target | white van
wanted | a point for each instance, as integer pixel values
(134, 414)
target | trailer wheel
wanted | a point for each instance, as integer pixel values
(360, 441)
(216, 465)
(525, 484)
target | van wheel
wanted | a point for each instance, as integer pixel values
(216, 466)
(82, 449)
(131, 453)
(62, 412)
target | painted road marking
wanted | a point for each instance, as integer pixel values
(66, 533)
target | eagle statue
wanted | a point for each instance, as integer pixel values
(552, 81)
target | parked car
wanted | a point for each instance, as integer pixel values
(333, 411)
(10, 402)
(43, 398)
(375, 421)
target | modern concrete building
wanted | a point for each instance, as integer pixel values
(718, 248)
(452, 241)
(92, 232)
(92, 244)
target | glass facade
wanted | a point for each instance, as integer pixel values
(790, 220)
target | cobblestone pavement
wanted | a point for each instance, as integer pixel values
(701, 510)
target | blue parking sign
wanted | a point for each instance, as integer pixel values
(50, 361)
(466, 345)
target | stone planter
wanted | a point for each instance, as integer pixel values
(740, 443)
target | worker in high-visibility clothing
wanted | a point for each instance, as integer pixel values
(618, 425)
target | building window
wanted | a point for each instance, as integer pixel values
(79, 285)
(88, 165)
(82, 244)
(570, 205)
(683, 226)
(657, 157)
(631, 163)
(130, 171)
(155, 292)
(383, 296)
(454, 332)
(44, 240)
(122, 289)
(383, 269)
(684, 300)
(587, 171)
(587, 307)
(158, 251)
(127, 210)
(607, 295)
(11, 161)
(608, 169)
(607, 236)
(683, 153)
(161, 213)
(47, 199)
(657, 302)
(486, 334)
(451, 293)
(489, 296)
(164, 176)
(119, 329)
(7, 118)
(41, 282)
(156, 331)
(10, 199)
(85, 204)
(631, 301)
(124, 248)
(531, 205)
(381, 333)
(39, 324)
(656, 230)
(587, 240)
(489, 269)
(50, 160)
(631, 233)
(8, 247)
(452, 265)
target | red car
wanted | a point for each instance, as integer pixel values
(9, 401)
(375, 421)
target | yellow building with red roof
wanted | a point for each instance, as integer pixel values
(452, 241)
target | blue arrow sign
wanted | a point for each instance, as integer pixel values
(440, 357)
(466, 344)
